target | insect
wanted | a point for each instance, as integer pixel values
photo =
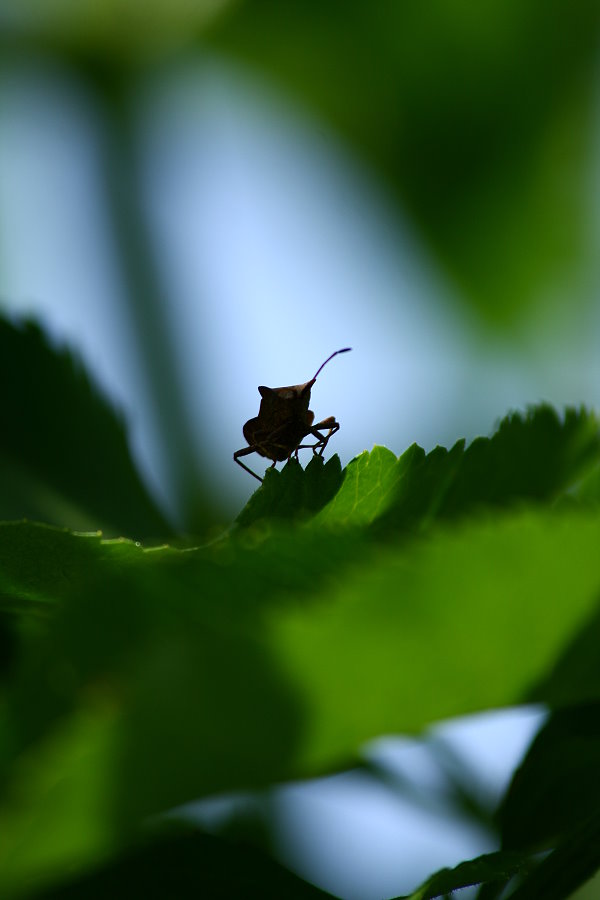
(283, 421)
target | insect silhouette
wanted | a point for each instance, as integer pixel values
(283, 421)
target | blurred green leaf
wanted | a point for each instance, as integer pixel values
(479, 123)
(574, 861)
(576, 672)
(64, 457)
(442, 628)
(211, 674)
(54, 816)
(556, 787)
(188, 866)
(491, 867)
(107, 33)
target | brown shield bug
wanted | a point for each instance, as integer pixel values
(283, 421)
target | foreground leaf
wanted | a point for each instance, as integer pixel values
(268, 656)
(461, 622)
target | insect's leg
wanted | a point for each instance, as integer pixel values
(329, 422)
(308, 447)
(244, 452)
(323, 439)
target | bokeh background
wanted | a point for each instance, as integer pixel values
(204, 197)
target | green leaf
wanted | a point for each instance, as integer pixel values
(440, 629)
(491, 867)
(574, 861)
(53, 815)
(576, 672)
(556, 786)
(479, 125)
(188, 866)
(369, 486)
(530, 457)
(294, 492)
(536, 457)
(40, 564)
(148, 678)
(294, 632)
(63, 452)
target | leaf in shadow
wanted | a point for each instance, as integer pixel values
(64, 456)
(575, 676)
(538, 457)
(574, 861)
(556, 786)
(490, 868)
(186, 867)
(294, 492)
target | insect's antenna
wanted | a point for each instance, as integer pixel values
(345, 350)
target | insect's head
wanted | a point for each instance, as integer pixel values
(293, 398)
(295, 391)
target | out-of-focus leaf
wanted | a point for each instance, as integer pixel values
(274, 655)
(577, 670)
(63, 451)
(469, 613)
(571, 864)
(40, 564)
(488, 868)
(589, 488)
(186, 867)
(480, 123)
(115, 35)
(55, 809)
(556, 787)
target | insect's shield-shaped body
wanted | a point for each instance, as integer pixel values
(283, 421)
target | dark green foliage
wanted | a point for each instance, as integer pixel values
(341, 606)
(534, 457)
(294, 492)
(576, 672)
(556, 786)
(186, 867)
(575, 860)
(64, 456)
(488, 869)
